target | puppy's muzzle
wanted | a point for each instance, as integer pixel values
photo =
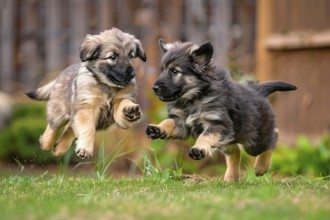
(130, 73)
(158, 88)
(122, 77)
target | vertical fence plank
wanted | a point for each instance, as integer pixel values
(78, 27)
(265, 26)
(220, 29)
(172, 17)
(147, 18)
(29, 60)
(7, 44)
(105, 14)
(124, 15)
(195, 21)
(54, 37)
(242, 46)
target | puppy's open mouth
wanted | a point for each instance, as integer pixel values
(118, 82)
(169, 98)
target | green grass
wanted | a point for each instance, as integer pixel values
(63, 197)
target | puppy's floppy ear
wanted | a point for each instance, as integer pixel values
(89, 48)
(203, 54)
(139, 51)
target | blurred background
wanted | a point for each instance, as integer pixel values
(261, 40)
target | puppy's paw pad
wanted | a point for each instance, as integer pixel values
(132, 113)
(84, 153)
(155, 132)
(197, 154)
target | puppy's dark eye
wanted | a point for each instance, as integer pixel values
(113, 57)
(174, 72)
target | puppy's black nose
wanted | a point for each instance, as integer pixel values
(156, 88)
(130, 72)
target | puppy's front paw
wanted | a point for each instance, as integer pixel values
(132, 113)
(84, 153)
(154, 132)
(197, 154)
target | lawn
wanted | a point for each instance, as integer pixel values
(66, 197)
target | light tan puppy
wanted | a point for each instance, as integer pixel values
(92, 95)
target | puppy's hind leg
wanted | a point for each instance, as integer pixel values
(64, 142)
(263, 162)
(233, 160)
(48, 138)
(56, 120)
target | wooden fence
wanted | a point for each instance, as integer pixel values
(41, 37)
(294, 45)
(38, 38)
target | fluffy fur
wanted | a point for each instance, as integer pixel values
(205, 103)
(92, 95)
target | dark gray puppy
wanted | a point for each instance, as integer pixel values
(205, 103)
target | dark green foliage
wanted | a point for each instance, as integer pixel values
(20, 140)
(305, 158)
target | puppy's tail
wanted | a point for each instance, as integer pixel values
(42, 93)
(267, 88)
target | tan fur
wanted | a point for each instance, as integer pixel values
(119, 108)
(64, 142)
(207, 142)
(92, 95)
(263, 162)
(168, 125)
(166, 128)
(48, 139)
(233, 160)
